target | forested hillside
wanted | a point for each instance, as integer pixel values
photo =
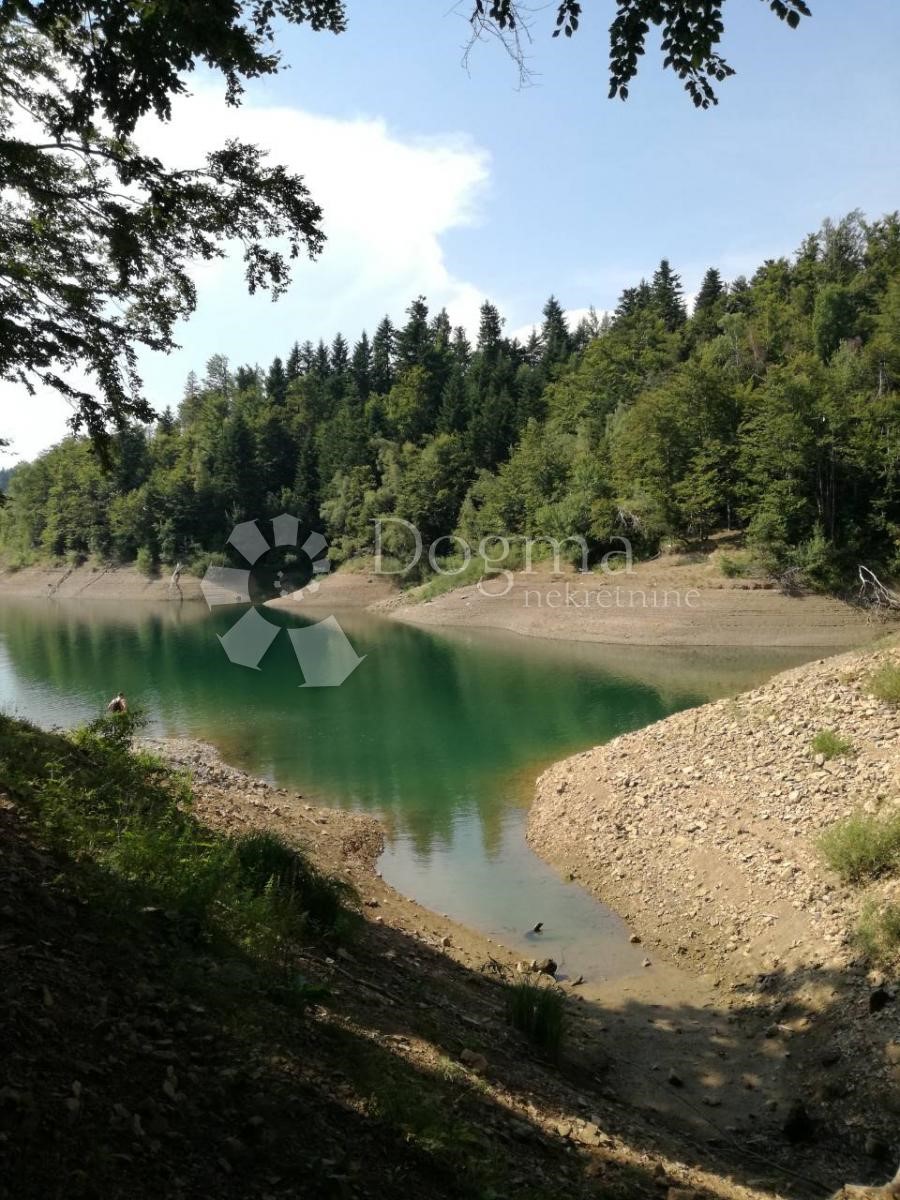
(773, 409)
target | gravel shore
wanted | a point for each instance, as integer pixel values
(702, 829)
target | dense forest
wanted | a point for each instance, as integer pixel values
(771, 408)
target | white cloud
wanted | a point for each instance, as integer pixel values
(388, 200)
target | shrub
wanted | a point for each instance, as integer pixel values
(145, 562)
(738, 565)
(878, 932)
(831, 744)
(266, 863)
(862, 847)
(885, 684)
(537, 1011)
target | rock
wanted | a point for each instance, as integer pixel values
(798, 1126)
(675, 1079)
(578, 981)
(546, 966)
(590, 1135)
(878, 999)
(892, 1053)
(635, 939)
(831, 1056)
(371, 903)
(473, 1060)
(646, 963)
(445, 941)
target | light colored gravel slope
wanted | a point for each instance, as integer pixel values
(701, 830)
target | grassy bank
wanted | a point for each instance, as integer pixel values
(191, 1012)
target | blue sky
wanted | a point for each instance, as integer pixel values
(463, 186)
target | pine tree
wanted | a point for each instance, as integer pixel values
(361, 367)
(383, 357)
(340, 354)
(532, 350)
(276, 382)
(634, 300)
(712, 289)
(667, 296)
(555, 338)
(462, 350)
(246, 377)
(321, 362)
(441, 330)
(166, 422)
(490, 330)
(294, 365)
(414, 340)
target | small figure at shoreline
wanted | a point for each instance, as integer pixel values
(118, 704)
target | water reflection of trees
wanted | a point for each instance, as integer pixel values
(427, 732)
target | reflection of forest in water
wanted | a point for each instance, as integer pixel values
(429, 731)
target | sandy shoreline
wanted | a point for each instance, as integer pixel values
(667, 602)
(677, 602)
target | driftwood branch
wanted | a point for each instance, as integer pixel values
(875, 595)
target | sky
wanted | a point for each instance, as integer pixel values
(460, 185)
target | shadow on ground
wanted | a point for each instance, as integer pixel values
(141, 1060)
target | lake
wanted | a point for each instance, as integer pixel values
(441, 735)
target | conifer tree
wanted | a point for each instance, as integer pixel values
(276, 382)
(667, 296)
(383, 357)
(294, 365)
(555, 339)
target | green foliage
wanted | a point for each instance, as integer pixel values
(95, 798)
(144, 561)
(831, 744)
(538, 1011)
(769, 412)
(884, 684)
(690, 31)
(268, 865)
(862, 847)
(99, 237)
(878, 932)
(738, 564)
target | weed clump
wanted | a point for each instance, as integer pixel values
(862, 847)
(538, 1012)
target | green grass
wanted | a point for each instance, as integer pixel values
(539, 1012)
(862, 847)
(437, 585)
(885, 684)
(878, 932)
(831, 744)
(95, 799)
(740, 564)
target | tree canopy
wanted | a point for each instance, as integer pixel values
(97, 238)
(771, 410)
